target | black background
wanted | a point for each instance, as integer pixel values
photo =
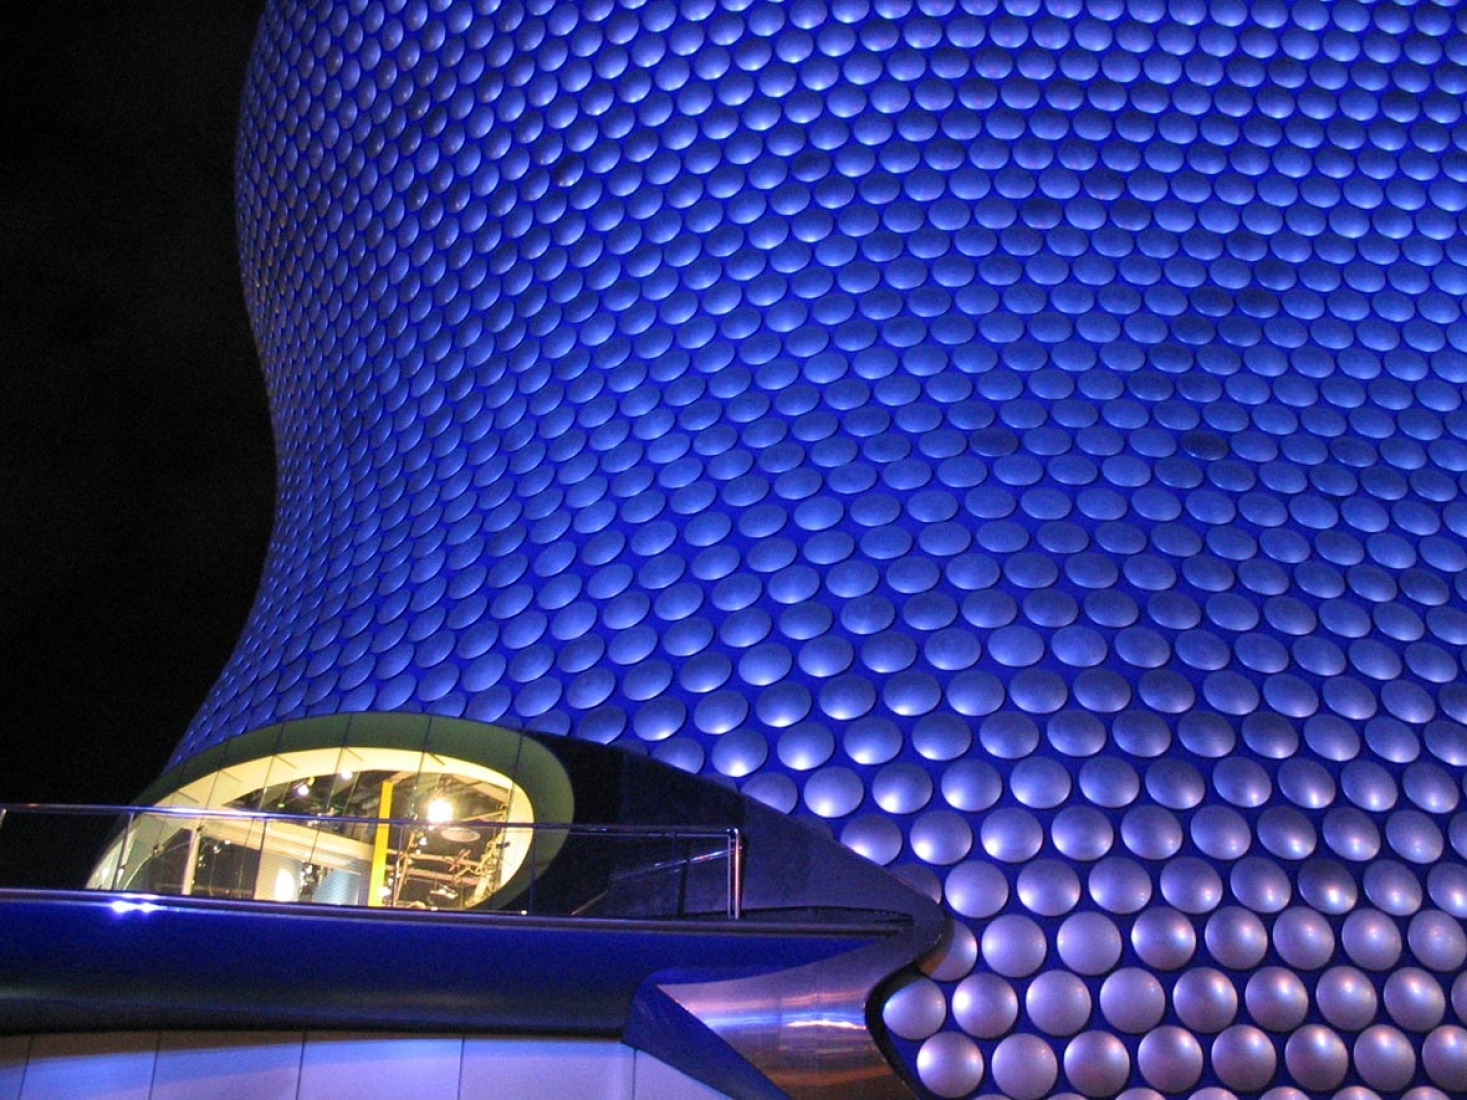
(137, 464)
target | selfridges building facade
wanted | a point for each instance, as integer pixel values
(1022, 439)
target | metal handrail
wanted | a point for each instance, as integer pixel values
(731, 838)
(105, 809)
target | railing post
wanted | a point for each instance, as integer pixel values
(736, 874)
(681, 848)
(534, 866)
(122, 853)
(191, 861)
(260, 863)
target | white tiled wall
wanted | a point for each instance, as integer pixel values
(330, 1066)
(258, 1066)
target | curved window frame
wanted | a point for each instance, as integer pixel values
(259, 842)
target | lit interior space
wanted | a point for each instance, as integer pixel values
(365, 826)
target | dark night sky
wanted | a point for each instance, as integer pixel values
(137, 462)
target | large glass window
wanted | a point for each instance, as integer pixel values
(350, 826)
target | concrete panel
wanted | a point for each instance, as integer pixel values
(90, 1067)
(657, 1080)
(380, 1067)
(241, 1066)
(546, 1069)
(14, 1049)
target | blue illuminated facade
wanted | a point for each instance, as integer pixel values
(1026, 438)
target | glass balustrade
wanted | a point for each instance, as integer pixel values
(428, 863)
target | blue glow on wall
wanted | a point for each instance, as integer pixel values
(1027, 437)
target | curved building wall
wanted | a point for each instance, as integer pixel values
(1026, 437)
